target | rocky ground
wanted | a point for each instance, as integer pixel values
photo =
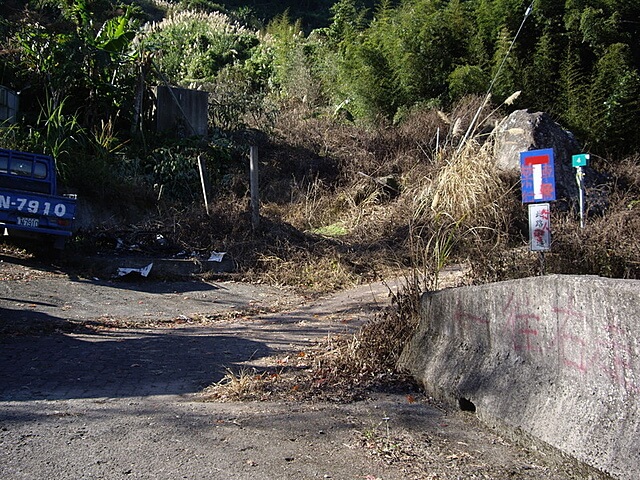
(104, 378)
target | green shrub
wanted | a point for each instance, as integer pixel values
(467, 80)
(195, 46)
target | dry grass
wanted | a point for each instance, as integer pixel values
(308, 270)
(330, 222)
(467, 189)
(607, 246)
(344, 205)
(340, 368)
(465, 211)
(245, 384)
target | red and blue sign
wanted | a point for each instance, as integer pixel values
(537, 175)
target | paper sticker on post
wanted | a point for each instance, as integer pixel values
(538, 176)
(540, 227)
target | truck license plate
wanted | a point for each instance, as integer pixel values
(28, 222)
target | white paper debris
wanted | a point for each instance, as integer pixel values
(216, 256)
(144, 271)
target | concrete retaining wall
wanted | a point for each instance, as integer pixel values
(554, 357)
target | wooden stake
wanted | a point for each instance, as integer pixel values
(255, 197)
(204, 181)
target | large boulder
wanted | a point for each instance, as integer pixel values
(523, 131)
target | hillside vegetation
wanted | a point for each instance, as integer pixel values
(365, 121)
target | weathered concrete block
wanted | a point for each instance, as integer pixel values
(555, 357)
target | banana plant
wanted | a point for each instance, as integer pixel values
(116, 34)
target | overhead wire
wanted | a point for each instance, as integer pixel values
(494, 79)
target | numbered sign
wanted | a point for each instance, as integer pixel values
(580, 160)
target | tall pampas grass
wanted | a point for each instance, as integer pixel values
(466, 190)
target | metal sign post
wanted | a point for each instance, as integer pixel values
(578, 162)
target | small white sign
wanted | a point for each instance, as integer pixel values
(540, 227)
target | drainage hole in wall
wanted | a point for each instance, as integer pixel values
(466, 405)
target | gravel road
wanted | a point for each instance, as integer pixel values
(83, 398)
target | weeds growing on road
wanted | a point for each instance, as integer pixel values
(340, 368)
(391, 200)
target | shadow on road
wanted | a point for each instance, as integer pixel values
(173, 284)
(152, 286)
(117, 364)
(27, 320)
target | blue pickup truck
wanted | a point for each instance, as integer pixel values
(30, 205)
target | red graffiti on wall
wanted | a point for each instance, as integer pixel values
(521, 326)
(617, 365)
(605, 350)
(573, 350)
(462, 318)
(524, 335)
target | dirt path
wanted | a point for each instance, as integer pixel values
(81, 397)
